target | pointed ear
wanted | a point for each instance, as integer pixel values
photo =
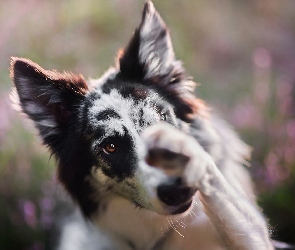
(149, 53)
(149, 59)
(49, 98)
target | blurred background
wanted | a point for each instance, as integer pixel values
(242, 54)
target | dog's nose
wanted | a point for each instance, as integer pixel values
(174, 193)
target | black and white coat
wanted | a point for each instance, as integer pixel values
(141, 155)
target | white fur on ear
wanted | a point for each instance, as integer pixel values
(45, 95)
(155, 47)
(149, 59)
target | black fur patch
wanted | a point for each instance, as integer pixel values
(58, 103)
(123, 162)
(107, 114)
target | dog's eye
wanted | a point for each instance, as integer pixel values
(109, 148)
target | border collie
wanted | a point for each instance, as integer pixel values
(140, 154)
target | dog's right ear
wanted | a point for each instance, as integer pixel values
(150, 54)
(48, 97)
(149, 59)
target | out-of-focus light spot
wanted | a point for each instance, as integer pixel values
(47, 203)
(290, 127)
(245, 115)
(29, 212)
(262, 58)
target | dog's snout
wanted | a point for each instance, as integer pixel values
(174, 193)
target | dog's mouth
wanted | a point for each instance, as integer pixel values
(176, 197)
(183, 208)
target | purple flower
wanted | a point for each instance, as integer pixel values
(29, 213)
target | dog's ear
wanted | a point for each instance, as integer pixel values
(49, 98)
(150, 54)
(149, 59)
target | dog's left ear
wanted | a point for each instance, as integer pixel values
(48, 97)
(150, 53)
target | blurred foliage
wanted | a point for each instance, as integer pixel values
(242, 53)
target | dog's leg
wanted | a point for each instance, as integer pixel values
(237, 221)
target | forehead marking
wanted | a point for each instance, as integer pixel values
(112, 111)
(132, 117)
(107, 114)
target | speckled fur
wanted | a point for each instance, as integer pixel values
(163, 136)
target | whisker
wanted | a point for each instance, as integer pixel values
(181, 223)
(173, 227)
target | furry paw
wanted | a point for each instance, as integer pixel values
(177, 154)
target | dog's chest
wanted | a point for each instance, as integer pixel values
(131, 227)
(134, 228)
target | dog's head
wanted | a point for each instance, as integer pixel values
(95, 129)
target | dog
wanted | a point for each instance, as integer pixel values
(144, 159)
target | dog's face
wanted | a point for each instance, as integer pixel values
(116, 116)
(96, 130)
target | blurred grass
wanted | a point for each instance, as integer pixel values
(241, 52)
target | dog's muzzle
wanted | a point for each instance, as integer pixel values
(172, 191)
(176, 196)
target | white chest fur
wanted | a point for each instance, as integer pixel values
(134, 228)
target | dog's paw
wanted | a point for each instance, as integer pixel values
(177, 154)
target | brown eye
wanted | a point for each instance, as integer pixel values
(109, 148)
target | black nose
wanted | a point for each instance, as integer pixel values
(174, 193)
